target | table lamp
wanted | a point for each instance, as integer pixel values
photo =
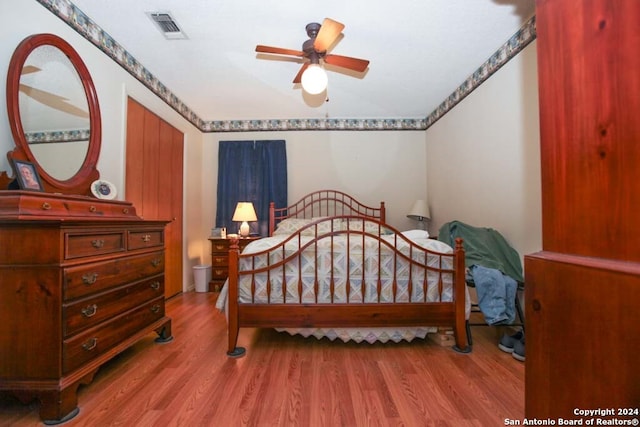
(244, 212)
(420, 212)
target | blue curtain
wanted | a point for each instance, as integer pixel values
(250, 171)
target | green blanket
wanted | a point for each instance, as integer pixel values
(483, 246)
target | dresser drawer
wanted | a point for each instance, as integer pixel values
(87, 245)
(99, 209)
(87, 279)
(89, 312)
(220, 260)
(145, 239)
(27, 204)
(217, 284)
(83, 347)
(220, 245)
(38, 206)
(219, 273)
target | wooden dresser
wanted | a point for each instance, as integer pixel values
(80, 280)
(220, 259)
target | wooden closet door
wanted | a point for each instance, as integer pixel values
(154, 181)
(151, 167)
(134, 144)
(170, 194)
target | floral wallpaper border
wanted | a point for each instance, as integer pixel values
(80, 22)
(58, 136)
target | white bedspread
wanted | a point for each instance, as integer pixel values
(353, 259)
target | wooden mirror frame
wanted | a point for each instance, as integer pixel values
(80, 183)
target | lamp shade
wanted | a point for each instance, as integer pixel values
(314, 79)
(419, 211)
(244, 212)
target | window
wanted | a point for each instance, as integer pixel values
(251, 171)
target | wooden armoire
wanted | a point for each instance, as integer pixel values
(583, 289)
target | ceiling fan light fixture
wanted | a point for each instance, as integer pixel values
(314, 79)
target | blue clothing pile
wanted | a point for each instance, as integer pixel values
(494, 266)
(496, 295)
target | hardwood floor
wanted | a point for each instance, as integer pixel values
(291, 381)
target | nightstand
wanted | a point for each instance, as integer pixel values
(220, 259)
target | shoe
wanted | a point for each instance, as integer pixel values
(507, 342)
(518, 350)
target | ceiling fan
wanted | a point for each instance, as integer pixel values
(321, 37)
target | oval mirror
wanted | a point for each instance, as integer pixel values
(54, 114)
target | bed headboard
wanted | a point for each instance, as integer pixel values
(324, 203)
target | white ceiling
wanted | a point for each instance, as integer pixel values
(420, 52)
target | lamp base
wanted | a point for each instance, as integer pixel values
(422, 224)
(244, 229)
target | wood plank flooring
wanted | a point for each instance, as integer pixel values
(291, 381)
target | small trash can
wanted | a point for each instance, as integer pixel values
(202, 276)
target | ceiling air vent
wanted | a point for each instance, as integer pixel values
(167, 25)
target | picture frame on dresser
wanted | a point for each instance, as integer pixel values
(27, 176)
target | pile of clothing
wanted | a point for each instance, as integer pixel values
(495, 269)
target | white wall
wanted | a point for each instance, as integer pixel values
(483, 157)
(373, 166)
(19, 19)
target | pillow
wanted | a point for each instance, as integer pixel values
(290, 225)
(416, 234)
(323, 227)
(369, 227)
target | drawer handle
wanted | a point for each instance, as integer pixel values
(156, 262)
(125, 211)
(155, 285)
(89, 310)
(220, 272)
(89, 278)
(146, 238)
(46, 206)
(90, 344)
(220, 247)
(155, 308)
(220, 260)
(97, 243)
(92, 208)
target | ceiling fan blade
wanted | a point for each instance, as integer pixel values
(298, 77)
(355, 64)
(54, 101)
(329, 32)
(278, 50)
(28, 69)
